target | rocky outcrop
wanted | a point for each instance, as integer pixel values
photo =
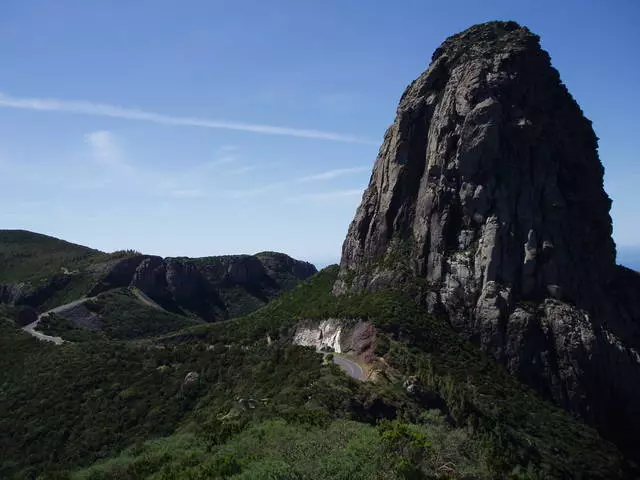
(325, 335)
(489, 187)
(284, 270)
(245, 269)
(190, 380)
(337, 335)
(27, 293)
(10, 293)
(212, 288)
(118, 273)
(150, 276)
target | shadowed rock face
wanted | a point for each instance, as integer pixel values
(216, 288)
(488, 185)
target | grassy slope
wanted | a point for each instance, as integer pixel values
(109, 395)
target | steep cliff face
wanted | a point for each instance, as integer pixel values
(215, 288)
(489, 187)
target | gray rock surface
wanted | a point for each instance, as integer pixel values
(10, 293)
(213, 287)
(190, 380)
(245, 270)
(488, 185)
(354, 336)
(25, 293)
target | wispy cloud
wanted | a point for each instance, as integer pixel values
(115, 111)
(105, 151)
(251, 192)
(331, 174)
(187, 193)
(331, 195)
(245, 169)
(225, 154)
(253, 167)
(221, 161)
(227, 149)
(339, 101)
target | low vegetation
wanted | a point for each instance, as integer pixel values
(25, 255)
(258, 409)
(519, 431)
(51, 272)
(117, 315)
(341, 449)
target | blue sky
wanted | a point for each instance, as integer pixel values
(210, 127)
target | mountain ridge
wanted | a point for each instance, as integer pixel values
(43, 272)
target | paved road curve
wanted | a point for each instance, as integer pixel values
(352, 368)
(31, 328)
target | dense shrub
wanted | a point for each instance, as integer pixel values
(272, 410)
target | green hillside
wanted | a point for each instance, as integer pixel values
(273, 410)
(28, 256)
(50, 271)
(115, 315)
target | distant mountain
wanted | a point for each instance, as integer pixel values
(44, 272)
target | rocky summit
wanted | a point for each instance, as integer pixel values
(488, 190)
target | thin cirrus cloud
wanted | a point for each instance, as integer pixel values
(270, 188)
(222, 160)
(321, 196)
(187, 193)
(331, 174)
(251, 192)
(115, 111)
(245, 169)
(105, 151)
(331, 195)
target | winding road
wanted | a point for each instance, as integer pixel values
(349, 366)
(31, 328)
(352, 368)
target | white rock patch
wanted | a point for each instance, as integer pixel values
(326, 334)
